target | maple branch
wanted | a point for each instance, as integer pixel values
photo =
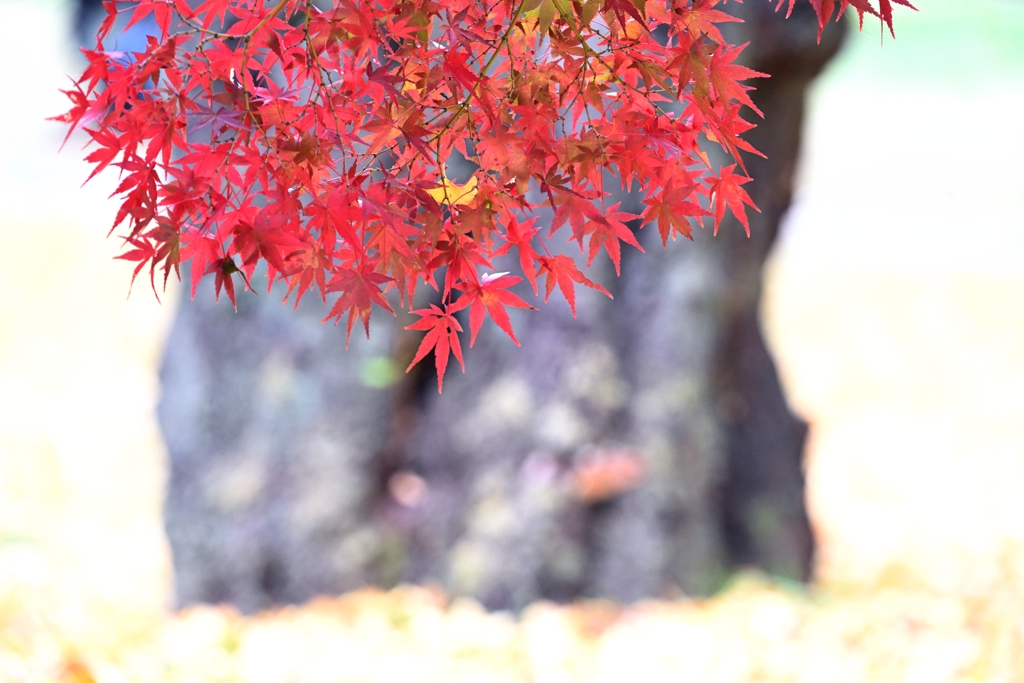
(248, 38)
(611, 70)
(202, 31)
(559, 116)
(490, 62)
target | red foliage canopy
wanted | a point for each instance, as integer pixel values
(316, 141)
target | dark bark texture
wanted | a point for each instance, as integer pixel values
(299, 468)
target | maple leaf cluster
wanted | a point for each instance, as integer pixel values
(315, 140)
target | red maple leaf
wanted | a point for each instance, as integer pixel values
(671, 209)
(360, 289)
(304, 267)
(442, 335)
(489, 294)
(725, 75)
(265, 236)
(726, 191)
(520, 236)
(562, 270)
(606, 230)
(701, 17)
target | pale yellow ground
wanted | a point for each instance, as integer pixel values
(896, 308)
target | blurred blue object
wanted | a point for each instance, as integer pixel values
(89, 15)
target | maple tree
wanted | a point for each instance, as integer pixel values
(317, 141)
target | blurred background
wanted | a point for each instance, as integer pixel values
(892, 307)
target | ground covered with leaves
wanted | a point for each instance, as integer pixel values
(753, 631)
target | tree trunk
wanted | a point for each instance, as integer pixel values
(764, 519)
(641, 449)
(273, 435)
